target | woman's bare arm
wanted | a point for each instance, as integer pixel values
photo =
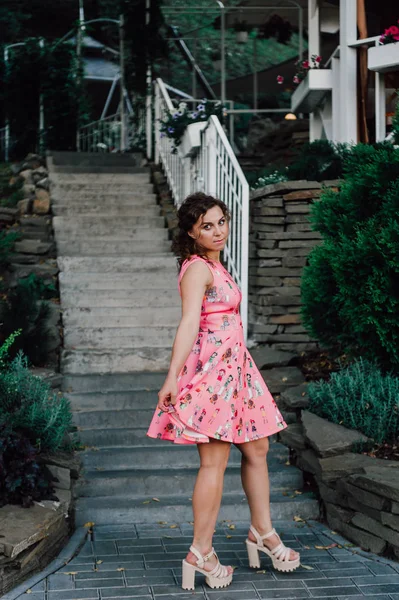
(193, 286)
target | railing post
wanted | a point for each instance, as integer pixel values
(210, 178)
(156, 124)
(244, 257)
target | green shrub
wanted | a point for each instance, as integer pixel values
(359, 397)
(22, 479)
(395, 121)
(350, 288)
(7, 242)
(5, 349)
(10, 193)
(318, 161)
(24, 309)
(27, 404)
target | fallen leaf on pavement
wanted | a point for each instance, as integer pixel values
(89, 524)
(307, 567)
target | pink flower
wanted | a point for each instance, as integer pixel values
(318, 59)
(296, 79)
(305, 64)
(280, 79)
(393, 30)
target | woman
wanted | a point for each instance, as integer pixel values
(214, 395)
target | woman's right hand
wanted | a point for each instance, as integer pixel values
(167, 394)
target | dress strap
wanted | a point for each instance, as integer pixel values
(189, 262)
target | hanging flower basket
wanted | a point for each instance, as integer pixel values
(191, 140)
(311, 91)
(384, 59)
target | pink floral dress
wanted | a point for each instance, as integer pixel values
(221, 392)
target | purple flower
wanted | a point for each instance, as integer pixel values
(176, 115)
(200, 107)
(194, 115)
(171, 130)
(162, 135)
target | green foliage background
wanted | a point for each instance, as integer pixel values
(350, 289)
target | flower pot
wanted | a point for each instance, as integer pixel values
(384, 59)
(191, 140)
(241, 37)
(312, 90)
(217, 64)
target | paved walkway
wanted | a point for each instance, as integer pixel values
(143, 562)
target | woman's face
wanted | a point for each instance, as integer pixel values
(211, 230)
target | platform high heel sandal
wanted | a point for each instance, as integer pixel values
(219, 577)
(280, 555)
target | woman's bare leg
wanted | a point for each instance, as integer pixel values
(207, 497)
(255, 481)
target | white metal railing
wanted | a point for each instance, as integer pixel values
(104, 135)
(214, 170)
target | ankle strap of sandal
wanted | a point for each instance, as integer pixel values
(201, 559)
(259, 538)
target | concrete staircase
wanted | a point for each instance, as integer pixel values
(120, 310)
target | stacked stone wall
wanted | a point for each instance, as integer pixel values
(281, 239)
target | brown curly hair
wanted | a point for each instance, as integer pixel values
(193, 207)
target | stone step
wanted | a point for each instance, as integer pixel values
(123, 437)
(124, 360)
(145, 281)
(103, 170)
(95, 158)
(100, 419)
(117, 382)
(136, 234)
(171, 455)
(119, 337)
(124, 509)
(72, 247)
(120, 317)
(129, 299)
(112, 211)
(165, 480)
(151, 266)
(102, 224)
(141, 178)
(85, 402)
(79, 199)
(101, 190)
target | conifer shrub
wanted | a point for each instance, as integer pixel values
(359, 397)
(318, 161)
(28, 405)
(350, 288)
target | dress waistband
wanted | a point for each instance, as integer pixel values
(220, 322)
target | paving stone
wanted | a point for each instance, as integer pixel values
(130, 592)
(280, 378)
(370, 590)
(73, 595)
(100, 583)
(33, 596)
(295, 397)
(60, 582)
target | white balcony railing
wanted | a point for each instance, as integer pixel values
(104, 135)
(213, 169)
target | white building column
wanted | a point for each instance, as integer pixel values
(314, 48)
(348, 72)
(335, 133)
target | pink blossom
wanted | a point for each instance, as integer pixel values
(318, 59)
(296, 79)
(305, 64)
(394, 30)
(280, 79)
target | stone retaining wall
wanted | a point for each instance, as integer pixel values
(359, 493)
(280, 241)
(32, 537)
(35, 251)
